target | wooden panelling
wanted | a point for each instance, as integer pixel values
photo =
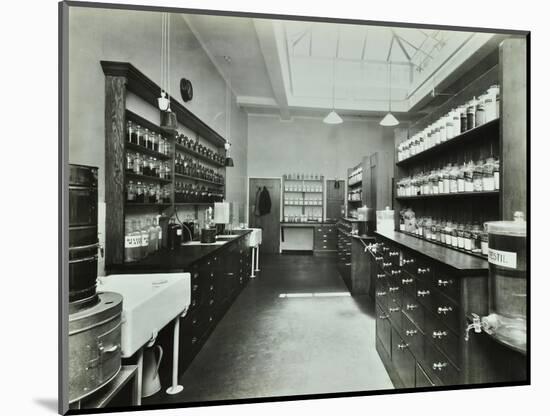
(115, 106)
(513, 107)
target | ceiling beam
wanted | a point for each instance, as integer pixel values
(268, 46)
(398, 39)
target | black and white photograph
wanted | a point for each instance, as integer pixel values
(263, 207)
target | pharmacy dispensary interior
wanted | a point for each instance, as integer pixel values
(260, 207)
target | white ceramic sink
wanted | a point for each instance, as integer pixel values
(150, 302)
(255, 237)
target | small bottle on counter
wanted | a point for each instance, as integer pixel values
(488, 181)
(132, 242)
(468, 237)
(484, 241)
(460, 235)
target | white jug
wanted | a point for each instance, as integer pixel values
(151, 380)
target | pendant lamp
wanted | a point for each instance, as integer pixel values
(389, 119)
(228, 160)
(168, 119)
(333, 117)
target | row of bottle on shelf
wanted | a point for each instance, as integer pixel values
(186, 165)
(308, 200)
(355, 195)
(292, 187)
(459, 120)
(147, 193)
(303, 218)
(481, 176)
(468, 236)
(146, 138)
(147, 165)
(355, 176)
(197, 147)
(185, 192)
(143, 236)
(303, 177)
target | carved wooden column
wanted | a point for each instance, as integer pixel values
(115, 121)
(513, 127)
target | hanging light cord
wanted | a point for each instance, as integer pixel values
(389, 89)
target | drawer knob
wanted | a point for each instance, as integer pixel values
(408, 261)
(394, 253)
(442, 310)
(394, 272)
(386, 264)
(382, 316)
(423, 271)
(406, 281)
(402, 346)
(394, 310)
(411, 332)
(443, 283)
(422, 293)
(439, 334)
(439, 366)
(381, 293)
(380, 275)
(393, 289)
(411, 307)
(378, 258)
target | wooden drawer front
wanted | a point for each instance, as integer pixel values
(414, 311)
(412, 336)
(446, 310)
(395, 292)
(324, 244)
(417, 267)
(422, 379)
(440, 367)
(325, 231)
(392, 255)
(381, 295)
(394, 312)
(408, 283)
(383, 328)
(403, 360)
(424, 293)
(444, 339)
(448, 285)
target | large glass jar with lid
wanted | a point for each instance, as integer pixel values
(460, 235)
(453, 179)
(478, 176)
(468, 237)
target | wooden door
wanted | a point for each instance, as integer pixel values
(269, 223)
(335, 199)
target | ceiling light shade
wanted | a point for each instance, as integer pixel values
(389, 120)
(333, 118)
(228, 162)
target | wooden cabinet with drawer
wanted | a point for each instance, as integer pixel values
(425, 300)
(325, 237)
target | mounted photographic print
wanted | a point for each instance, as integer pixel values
(262, 207)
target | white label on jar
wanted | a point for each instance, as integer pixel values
(454, 241)
(489, 184)
(132, 241)
(461, 185)
(468, 186)
(497, 180)
(503, 258)
(460, 242)
(178, 231)
(448, 239)
(160, 234)
(484, 247)
(144, 240)
(467, 244)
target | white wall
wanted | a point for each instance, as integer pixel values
(307, 145)
(134, 36)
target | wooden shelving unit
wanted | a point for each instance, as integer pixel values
(450, 196)
(120, 78)
(302, 190)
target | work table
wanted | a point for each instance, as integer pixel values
(178, 260)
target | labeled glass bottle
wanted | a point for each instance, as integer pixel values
(488, 180)
(129, 130)
(158, 230)
(130, 192)
(144, 238)
(468, 237)
(153, 237)
(141, 136)
(469, 177)
(460, 184)
(130, 162)
(454, 235)
(132, 241)
(446, 179)
(140, 196)
(480, 114)
(470, 117)
(496, 174)
(484, 238)
(463, 120)
(475, 237)
(453, 179)
(478, 176)
(460, 235)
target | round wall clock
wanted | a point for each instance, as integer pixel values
(186, 89)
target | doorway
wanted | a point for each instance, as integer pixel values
(269, 223)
